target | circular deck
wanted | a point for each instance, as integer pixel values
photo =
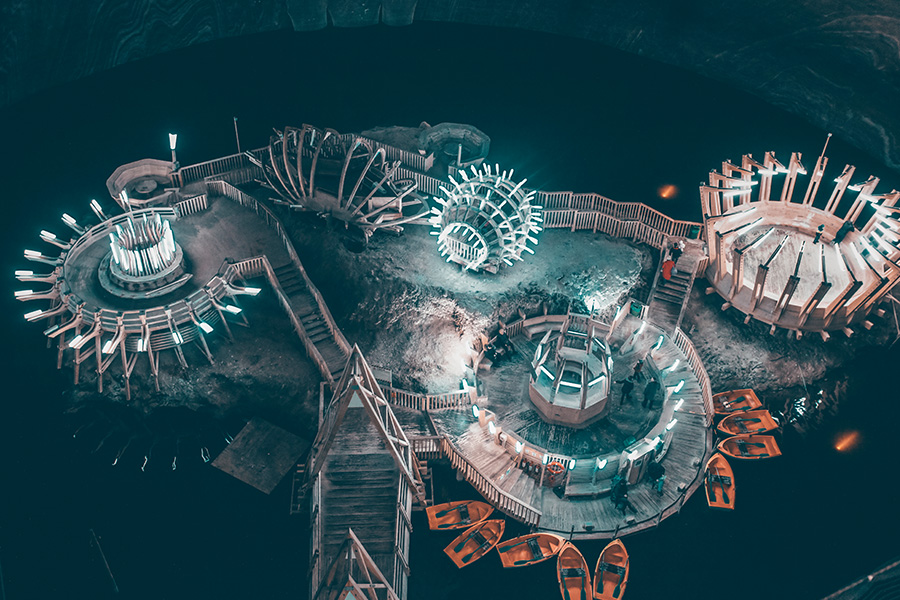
(512, 456)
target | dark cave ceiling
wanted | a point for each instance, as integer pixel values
(835, 63)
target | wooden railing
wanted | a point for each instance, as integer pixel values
(685, 345)
(259, 265)
(426, 402)
(223, 188)
(215, 167)
(190, 206)
(506, 503)
(411, 159)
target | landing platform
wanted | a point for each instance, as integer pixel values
(261, 455)
(579, 504)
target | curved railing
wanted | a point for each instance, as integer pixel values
(684, 344)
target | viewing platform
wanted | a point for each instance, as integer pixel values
(508, 451)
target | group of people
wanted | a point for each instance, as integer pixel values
(651, 390)
(668, 265)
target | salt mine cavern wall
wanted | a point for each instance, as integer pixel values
(834, 63)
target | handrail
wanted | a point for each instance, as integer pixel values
(224, 188)
(245, 268)
(507, 503)
(684, 344)
(427, 402)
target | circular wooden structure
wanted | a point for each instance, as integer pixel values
(795, 263)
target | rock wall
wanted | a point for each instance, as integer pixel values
(835, 63)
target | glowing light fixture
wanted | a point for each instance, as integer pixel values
(518, 447)
(492, 429)
(572, 464)
(671, 424)
(475, 410)
(679, 386)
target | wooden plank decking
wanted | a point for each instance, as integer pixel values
(585, 510)
(261, 455)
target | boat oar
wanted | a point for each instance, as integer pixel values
(469, 556)
(722, 485)
(444, 513)
(507, 548)
(710, 488)
(618, 589)
(460, 545)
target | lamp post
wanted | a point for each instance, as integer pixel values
(173, 139)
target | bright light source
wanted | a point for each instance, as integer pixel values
(674, 365)
(108, 347)
(76, 341)
(232, 309)
(571, 464)
(596, 380)
(24, 273)
(659, 342)
(544, 370)
(609, 362)
(173, 140)
(23, 293)
(32, 253)
(492, 429)
(601, 463)
(46, 234)
(679, 386)
(545, 459)
(206, 327)
(465, 385)
(679, 404)
(33, 314)
(142, 345)
(642, 327)
(68, 220)
(671, 424)
(475, 410)
(571, 385)
(518, 447)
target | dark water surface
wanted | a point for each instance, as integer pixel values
(568, 115)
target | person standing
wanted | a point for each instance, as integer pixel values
(627, 388)
(650, 393)
(667, 267)
(638, 367)
(677, 250)
(819, 231)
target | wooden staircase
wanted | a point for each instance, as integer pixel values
(669, 297)
(306, 309)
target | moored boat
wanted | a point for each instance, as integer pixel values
(457, 514)
(475, 542)
(726, 403)
(747, 446)
(719, 483)
(572, 573)
(611, 574)
(751, 421)
(529, 549)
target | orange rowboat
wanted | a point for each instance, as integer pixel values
(751, 421)
(719, 483)
(611, 573)
(529, 549)
(750, 446)
(475, 542)
(456, 515)
(573, 575)
(734, 401)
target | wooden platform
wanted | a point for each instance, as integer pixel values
(261, 455)
(583, 509)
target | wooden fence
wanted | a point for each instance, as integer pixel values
(427, 402)
(223, 188)
(190, 206)
(215, 167)
(685, 345)
(433, 447)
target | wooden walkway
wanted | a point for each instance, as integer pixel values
(306, 309)
(669, 298)
(584, 509)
